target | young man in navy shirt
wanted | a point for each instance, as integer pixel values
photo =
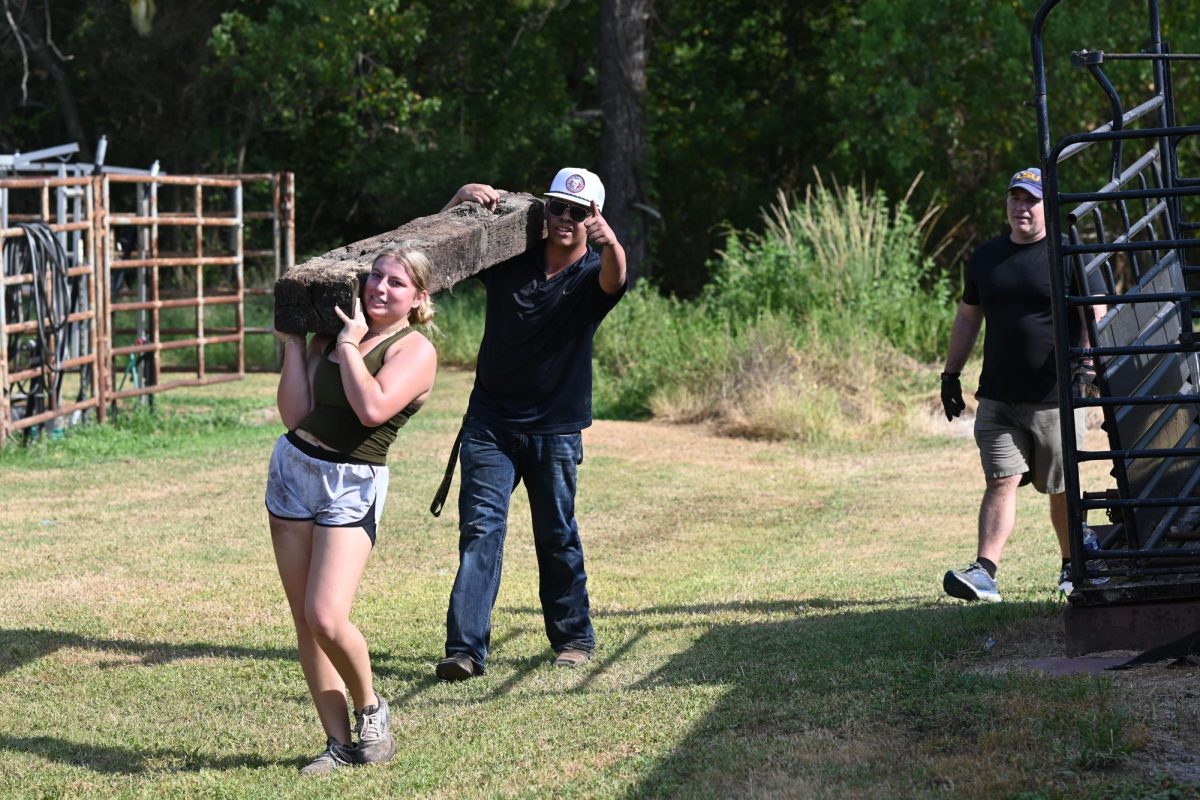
(532, 398)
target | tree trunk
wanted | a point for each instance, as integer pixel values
(622, 84)
(41, 51)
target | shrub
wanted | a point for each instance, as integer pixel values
(841, 263)
(649, 342)
(776, 382)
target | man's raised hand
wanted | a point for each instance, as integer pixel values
(598, 231)
(479, 193)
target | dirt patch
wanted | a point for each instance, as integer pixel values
(1164, 696)
(694, 443)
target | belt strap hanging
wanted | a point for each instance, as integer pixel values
(439, 499)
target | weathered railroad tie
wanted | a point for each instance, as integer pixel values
(460, 242)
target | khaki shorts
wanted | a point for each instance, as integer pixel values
(1024, 439)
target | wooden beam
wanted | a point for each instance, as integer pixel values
(460, 242)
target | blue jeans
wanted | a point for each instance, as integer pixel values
(493, 462)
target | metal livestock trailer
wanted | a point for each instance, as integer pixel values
(1121, 213)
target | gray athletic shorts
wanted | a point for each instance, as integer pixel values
(1024, 439)
(306, 482)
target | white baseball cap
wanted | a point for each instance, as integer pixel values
(579, 186)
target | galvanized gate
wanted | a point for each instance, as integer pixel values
(1128, 235)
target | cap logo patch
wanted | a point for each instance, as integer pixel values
(1027, 176)
(575, 184)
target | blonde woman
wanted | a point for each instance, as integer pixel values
(343, 400)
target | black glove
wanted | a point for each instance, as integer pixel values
(1083, 377)
(952, 401)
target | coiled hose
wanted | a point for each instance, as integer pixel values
(49, 299)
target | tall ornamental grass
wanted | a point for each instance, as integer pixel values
(843, 263)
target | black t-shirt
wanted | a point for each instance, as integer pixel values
(534, 371)
(1012, 283)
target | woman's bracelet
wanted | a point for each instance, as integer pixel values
(346, 341)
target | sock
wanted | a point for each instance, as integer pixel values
(368, 710)
(988, 567)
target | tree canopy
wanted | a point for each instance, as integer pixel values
(384, 107)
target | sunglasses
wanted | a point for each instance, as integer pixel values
(558, 208)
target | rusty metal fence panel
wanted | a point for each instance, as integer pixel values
(160, 266)
(45, 348)
(269, 215)
(156, 325)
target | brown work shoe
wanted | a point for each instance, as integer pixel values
(458, 667)
(572, 657)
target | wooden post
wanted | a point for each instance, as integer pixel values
(460, 242)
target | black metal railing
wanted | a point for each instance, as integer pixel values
(1127, 245)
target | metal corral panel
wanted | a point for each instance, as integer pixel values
(1126, 229)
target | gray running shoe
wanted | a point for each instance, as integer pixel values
(336, 755)
(372, 726)
(972, 583)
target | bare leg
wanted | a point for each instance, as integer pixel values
(293, 542)
(997, 515)
(1058, 518)
(339, 556)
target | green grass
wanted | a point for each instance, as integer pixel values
(769, 622)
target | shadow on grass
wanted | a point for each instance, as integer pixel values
(126, 760)
(20, 646)
(797, 680)
(808, 695)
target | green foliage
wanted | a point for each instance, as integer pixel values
(649, 343)
(460, 315)
(384, 108)
(840, 263)
(944, 87)
(736, 94)
(350, 89)
(394, 105)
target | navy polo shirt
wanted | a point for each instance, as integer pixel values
(534, 370)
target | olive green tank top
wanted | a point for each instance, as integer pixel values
(334, 422)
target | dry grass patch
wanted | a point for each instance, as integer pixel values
(774, 390)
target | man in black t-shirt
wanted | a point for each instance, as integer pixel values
(532, 397)
(1017, 425)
